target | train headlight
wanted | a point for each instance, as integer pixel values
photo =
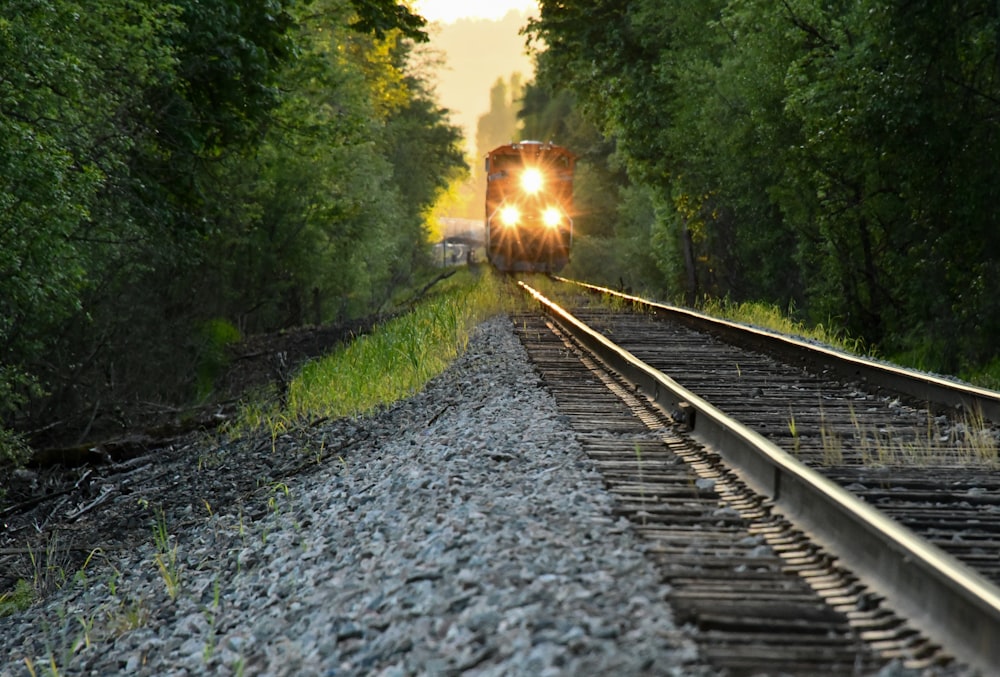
(551, 217)
(509, 216)
(532, 180)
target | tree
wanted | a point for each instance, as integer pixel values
(71, 79)
(499, 125)
(171, 166)
(838, 155)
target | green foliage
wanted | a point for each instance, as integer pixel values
(397, 359)
(987, 376)
(622, 259)
(165, 164)
(772, 317)
(379, 17)
(13, 450)
(215, 337)
(18, 599)
(331, 214)
(841, 156)
(392, 362)
(66, 77)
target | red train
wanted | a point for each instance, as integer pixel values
(529, 206)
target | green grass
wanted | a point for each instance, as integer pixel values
(925, 357)
(166, 555)
(395, 361)
(18, 599)
(769, 316)
(987, 376)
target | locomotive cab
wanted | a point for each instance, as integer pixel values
(529, 206)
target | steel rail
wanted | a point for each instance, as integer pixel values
(938, 594)
(919, 386)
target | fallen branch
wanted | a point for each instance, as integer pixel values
(106, 493)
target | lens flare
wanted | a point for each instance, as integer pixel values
(532, 180)
(509, 215)
(551, 217)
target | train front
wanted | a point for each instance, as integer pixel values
(529, 203)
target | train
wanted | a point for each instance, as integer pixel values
(529, 206)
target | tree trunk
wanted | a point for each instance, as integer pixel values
(691, 288)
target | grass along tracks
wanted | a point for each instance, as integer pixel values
(281, 433)
(390, 363)
(56, 538)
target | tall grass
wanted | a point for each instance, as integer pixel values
(769, 316)
(394, 361)
(925, 357)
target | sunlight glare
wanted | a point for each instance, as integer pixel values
(449, 11)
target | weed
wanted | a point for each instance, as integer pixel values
(279, 426)
(87, 627)
(62, 641)
(128, 615)
(81, 575)
(53, 667)
(794, 430)
(211, 460)
(48, 569)
(321, 452)
(210, 616)
(276, 489)
(833, 450)
(18, 599)
(166, 555)
(980, 440)
(968, 441)
(772, 317)
(392, 362)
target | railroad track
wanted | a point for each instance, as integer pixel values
(929, 472)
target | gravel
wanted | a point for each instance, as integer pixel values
(466, 533)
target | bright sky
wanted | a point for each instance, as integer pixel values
(449, 11)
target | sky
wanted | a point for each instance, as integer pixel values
(479, 41)
(449, 11)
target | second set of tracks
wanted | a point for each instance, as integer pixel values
(760, 576)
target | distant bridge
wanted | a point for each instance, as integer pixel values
(469, 232)
(461, 237)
